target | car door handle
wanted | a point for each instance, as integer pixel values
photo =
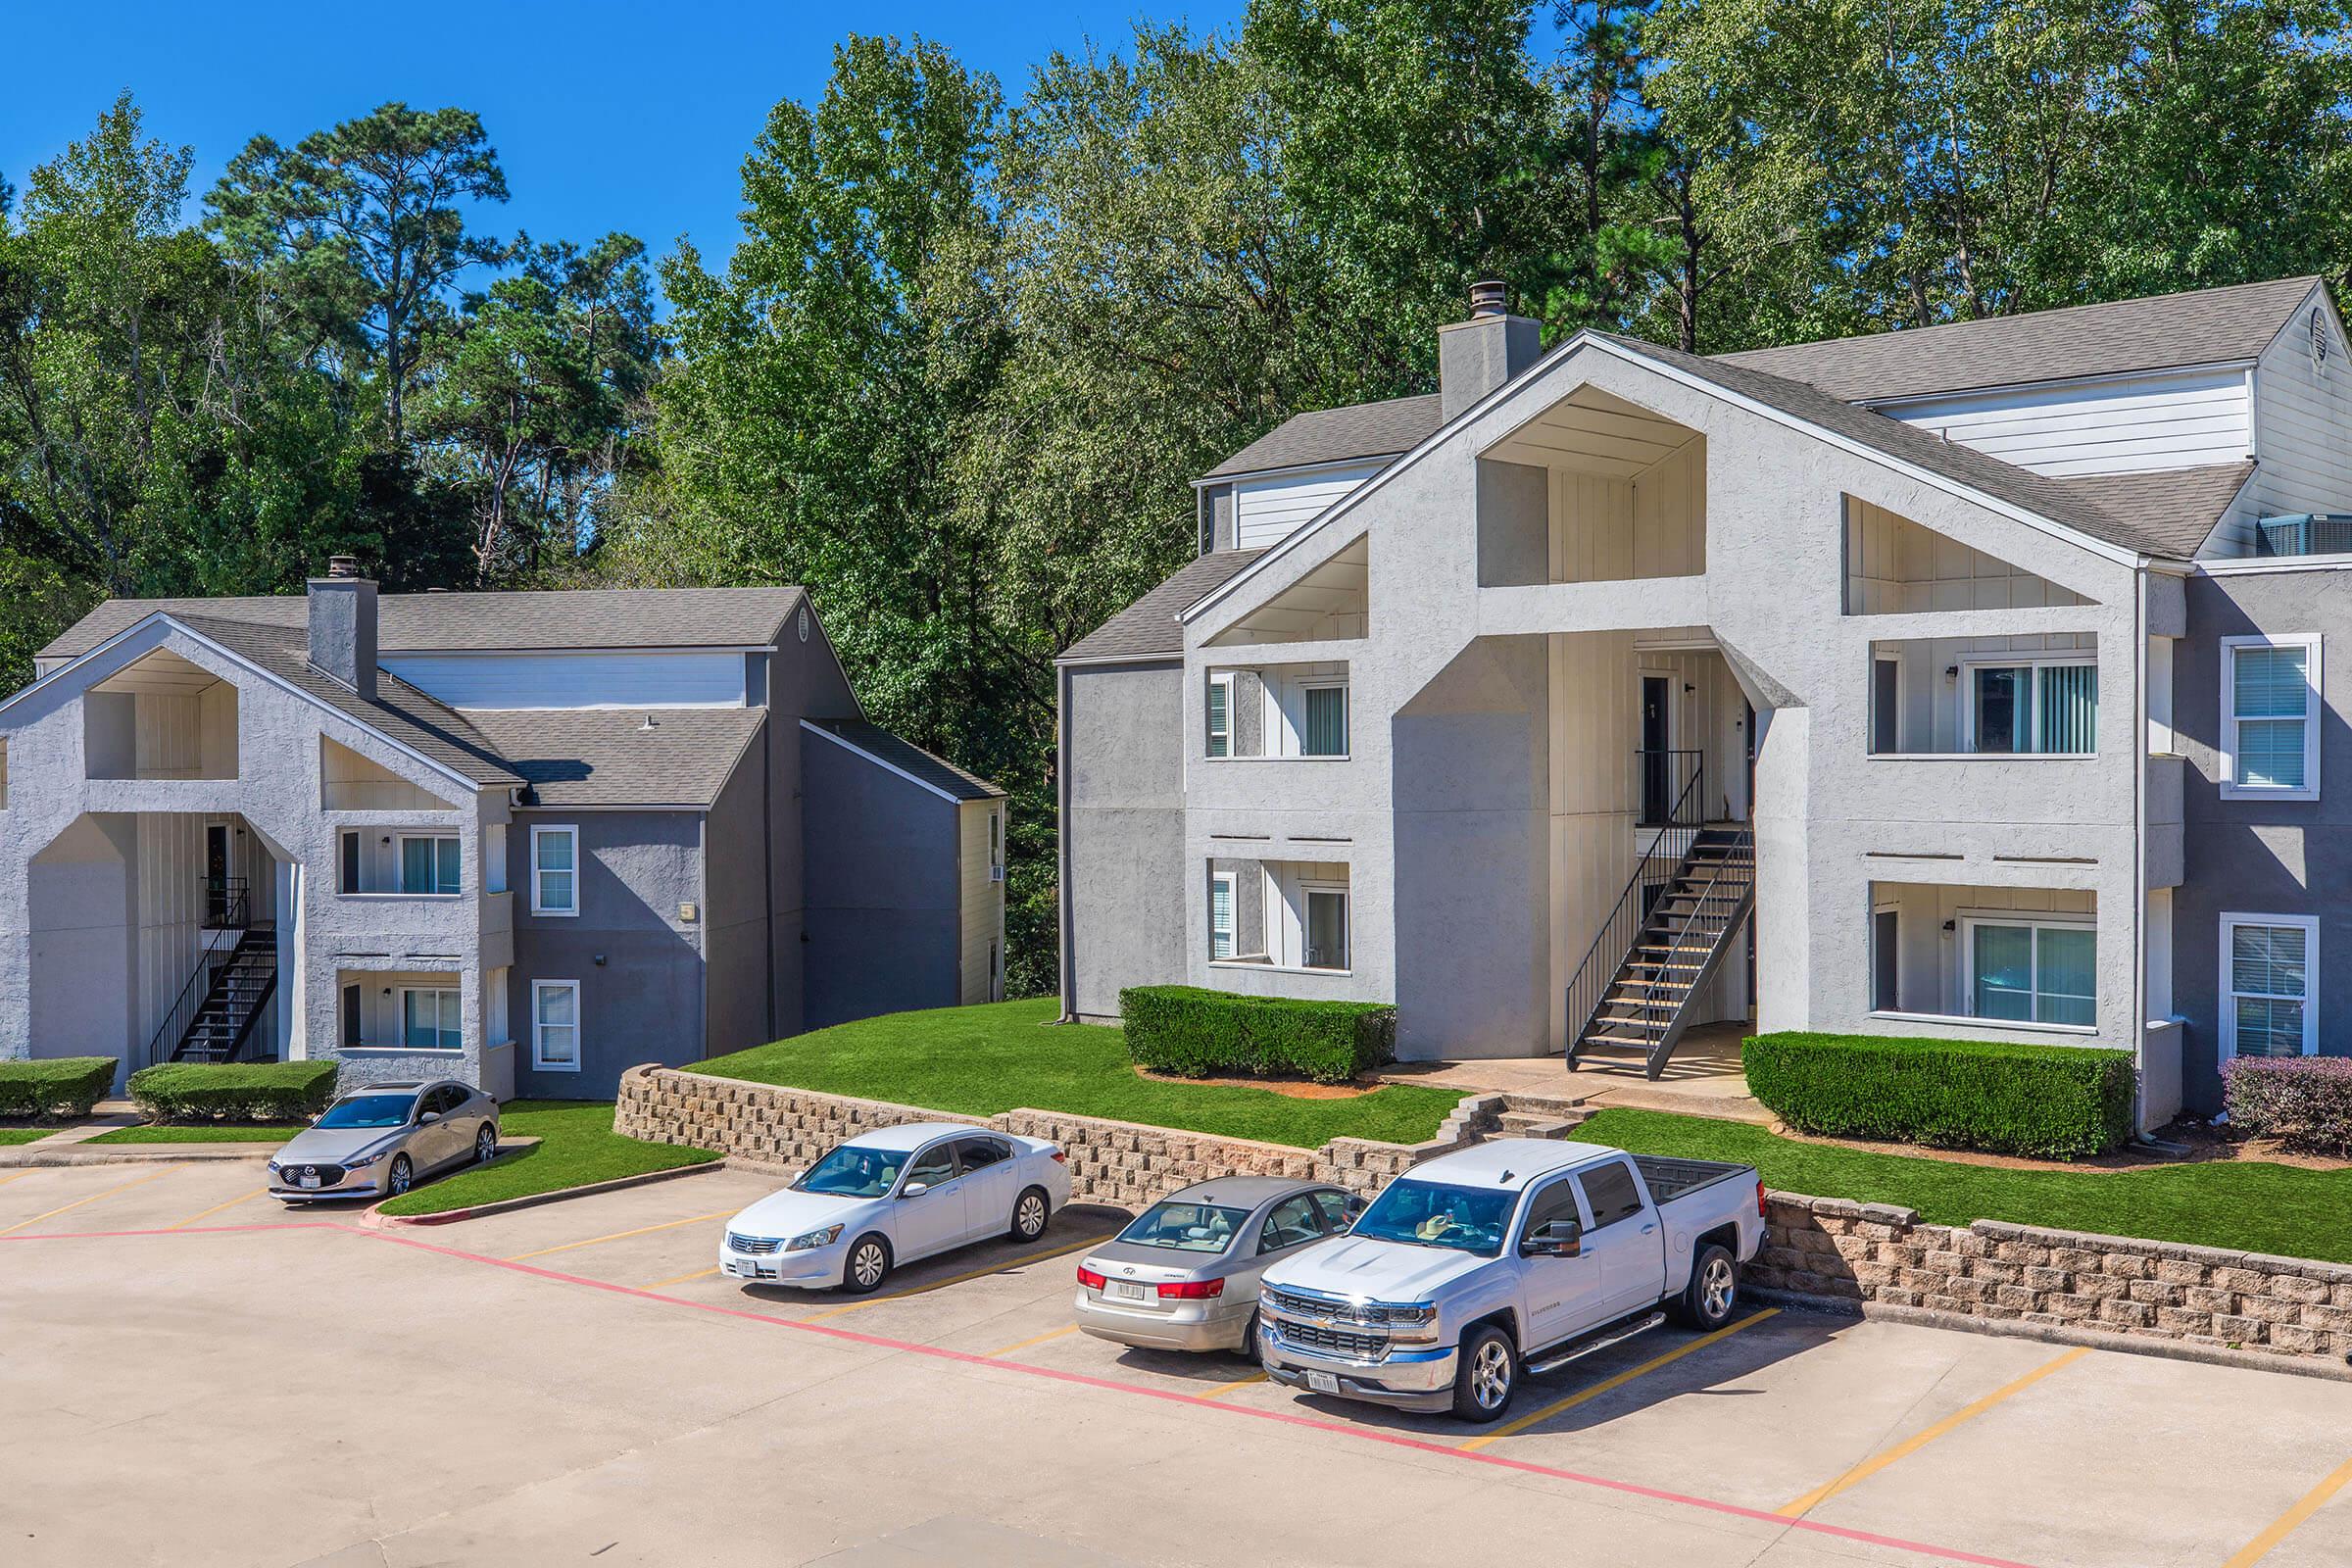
(1649, 1230)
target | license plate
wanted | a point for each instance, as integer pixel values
(1126, 1290)
(306, 1180)
(1323, 1383)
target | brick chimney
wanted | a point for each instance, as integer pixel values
(342, 612)
(1477, 355)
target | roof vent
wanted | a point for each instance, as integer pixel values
(342, 567)
(651, 722)
(1488, 297)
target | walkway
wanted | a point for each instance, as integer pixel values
(1703, 1079)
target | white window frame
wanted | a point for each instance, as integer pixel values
(1323, 683)
(1233, 916)
(2037, 663)
(2232, 789)
(400, 1022)
(1210, 733)
(1307, 894)
(2031, 919)
(573, 832)
(2229, 993)
(579, 1028)
(400, 850)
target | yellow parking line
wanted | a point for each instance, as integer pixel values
(622, 1236)
(1223, 1389)
(1512, 1428)
(1912, 1444)
(258, 1192)
(139, 1181)
(2253, 1551)
(680, 1278)
(958, 1279)
(1037, 1339)
(21, 1175)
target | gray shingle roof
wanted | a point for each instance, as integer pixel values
(577, 617)
(882, 746)
(1149, 628)
(2174, 512)
(1335, 435)
(2162, 332)
(607, 756)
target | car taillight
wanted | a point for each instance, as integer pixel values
(1090, 1279)
(1760, 1197)
(1191, 1290)
(1061, 1156)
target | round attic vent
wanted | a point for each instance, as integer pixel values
(804, 624)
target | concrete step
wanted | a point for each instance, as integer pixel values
(1534, 1124)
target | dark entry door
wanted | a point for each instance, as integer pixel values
(1657, 735)
(216, 872)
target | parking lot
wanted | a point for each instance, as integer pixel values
(192, 1374)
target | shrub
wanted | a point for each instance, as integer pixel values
(59, 1085)
(2055, 1102)
(233, 1091)
(2303, 1101)
(1194, 1033)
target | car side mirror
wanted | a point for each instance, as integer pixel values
(914, 1189)
(1555, 1238)
(428, 1115)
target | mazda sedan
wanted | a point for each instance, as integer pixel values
(382, 1140)
(1184, 1275)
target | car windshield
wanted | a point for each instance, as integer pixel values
(369, 1110)
(1464, 1219)
(853, 1172)
(1185, 1227)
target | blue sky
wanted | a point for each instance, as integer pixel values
(606, 116)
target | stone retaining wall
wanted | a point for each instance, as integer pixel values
(1828, 1249)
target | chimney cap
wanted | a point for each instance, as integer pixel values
(1489, 296)
(343, 567)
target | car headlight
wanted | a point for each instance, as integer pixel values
(824, 1238)
(363, 1162)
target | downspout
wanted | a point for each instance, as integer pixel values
(2139, 846)
(1061, 845)
(768, 859)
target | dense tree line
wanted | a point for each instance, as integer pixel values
(969, 348)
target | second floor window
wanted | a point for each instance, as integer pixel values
(555, 870)
(1220, 715)
(428, 864)
(2033, 709)
(1325, 733)
(2271, 694)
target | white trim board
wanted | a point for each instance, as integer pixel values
(851, 746)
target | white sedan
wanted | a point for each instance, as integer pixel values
(890, 1196)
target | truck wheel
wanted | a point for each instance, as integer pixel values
(1713, 1293)
(1487, 1375)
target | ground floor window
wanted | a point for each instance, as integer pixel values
(430, 1020)
(1220, 914)
(555, 1025)
(2267, 965)
(2027, 971)
(1326, 928)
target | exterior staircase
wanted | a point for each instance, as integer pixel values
(225, 998)
(1684, 914)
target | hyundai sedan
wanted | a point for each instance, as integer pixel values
(1184, 1276)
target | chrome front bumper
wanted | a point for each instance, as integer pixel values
(1403, 1379)
(813, 1268)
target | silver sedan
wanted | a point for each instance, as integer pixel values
(382, 1140)
(1184, 1275)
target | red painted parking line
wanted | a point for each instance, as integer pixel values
(1173, 1396)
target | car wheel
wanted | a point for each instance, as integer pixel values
(1030, 1211)
(485, 1144)
(1713, 1293)
(400, 1177)
(868, 1265)
(1250, 1350)
(1487, 1375)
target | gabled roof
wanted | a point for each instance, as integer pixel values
(2175, 511)
(2166, 332)
(489, 622)
(878, 745)
(1361, 430)
(608, 757)
(1149, 627)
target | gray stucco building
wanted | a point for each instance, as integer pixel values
(528, 840)
(1970, 681)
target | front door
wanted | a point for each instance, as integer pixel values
(988, 1176)
(216, 873)
(933, 1219)
(1657, 737)
(1563, 1294)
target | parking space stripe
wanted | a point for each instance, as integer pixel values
(258, 1192)
(1035, 1339)
(1606, 1385)
(1912, 1444)
(21, 1175)
(681, 1279)
(952, 1279)
(2261, 1545)
(136, 1181)
(1223, 1389)
(621, 1236)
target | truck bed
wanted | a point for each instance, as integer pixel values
(1670, 1179)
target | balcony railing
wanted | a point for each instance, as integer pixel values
(228, 905)
(1672, 788)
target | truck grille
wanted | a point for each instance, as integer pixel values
(754, 1243)
(1316, 1305)
(1337, 1342)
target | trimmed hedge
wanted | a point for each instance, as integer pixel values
(2052, 1101)
(1194, 1033)
(2303, 1101)
(59, 1085)
(233, 1091)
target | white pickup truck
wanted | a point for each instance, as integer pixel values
(1509, 1258)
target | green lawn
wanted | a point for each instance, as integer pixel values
(576, 1145)
(977, 1061)
(206, 1132)
(2246, 1205)
(12, 1136)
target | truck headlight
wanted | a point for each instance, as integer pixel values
(1415, 1323)
(824, 1238)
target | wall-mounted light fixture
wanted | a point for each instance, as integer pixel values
(1952, 672)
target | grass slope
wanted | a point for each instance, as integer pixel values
(207, 1132)
(576, 1145)
(980, 1060)
(10, 1137)
(2244, 1206)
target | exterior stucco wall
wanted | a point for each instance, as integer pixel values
(1127, 898)
(884, 898)
(742, 1008)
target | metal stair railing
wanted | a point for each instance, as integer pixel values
(1737, 851)
(1657, 868)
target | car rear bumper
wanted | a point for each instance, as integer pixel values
(1402, 1380)
(1179, 1330)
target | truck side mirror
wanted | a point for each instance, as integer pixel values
(1554, 1238)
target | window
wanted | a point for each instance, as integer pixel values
(2270, 730)
(431, 1019)
(1885, 707)
(933, 1165)
(347, 876)
(1220, 715)
(428, 864)
(2039, 708)
(1326, 728)
(978, 1153)
(1611, 1193)
(1289, 1223)
(2267, 965)
(555, 870)
(1326, 928)
(555, 1025)
(1556, 1201)
(1220, 914)
(2025, 971)
(1335, 1207)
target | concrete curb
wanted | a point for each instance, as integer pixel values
(2302, 1366)
(373, 1218)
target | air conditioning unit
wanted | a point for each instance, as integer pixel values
(2303, 535)
(995, 873)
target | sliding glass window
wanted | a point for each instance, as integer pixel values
(2042, 709)
(2021, 972)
